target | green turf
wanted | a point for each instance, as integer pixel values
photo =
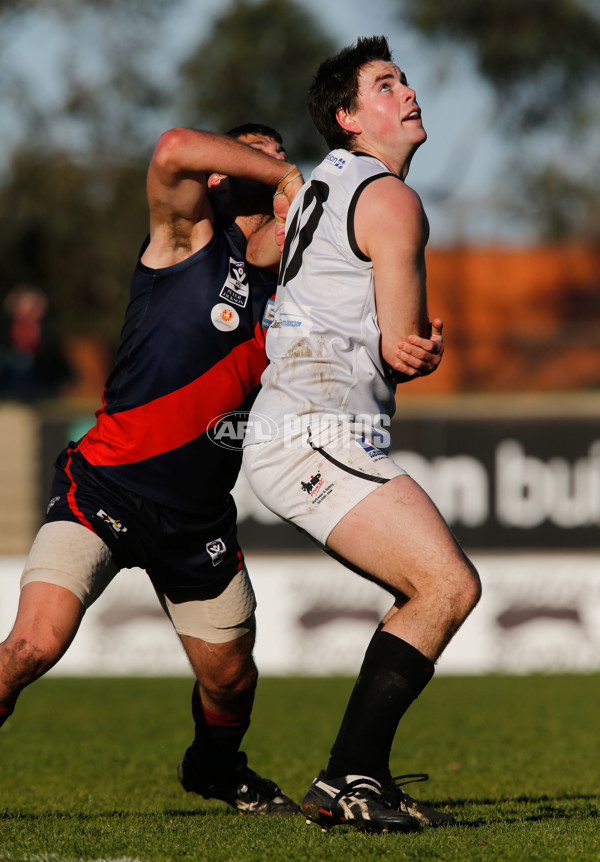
(88, 772)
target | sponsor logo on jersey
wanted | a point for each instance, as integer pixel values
(216, 550)
(229, 429)
(236, 289)
(335, 161)
(116, 526)
(224, 317)
(288, 319)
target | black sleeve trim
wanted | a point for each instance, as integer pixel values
(352, 210)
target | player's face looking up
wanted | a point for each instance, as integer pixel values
(387, 112)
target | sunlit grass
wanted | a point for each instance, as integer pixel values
(88, 772)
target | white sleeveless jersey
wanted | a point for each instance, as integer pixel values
(323, 343)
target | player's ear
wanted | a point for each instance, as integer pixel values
(216, 180)
(347, 121)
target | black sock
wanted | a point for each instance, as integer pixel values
(393, 674)
(217, 739)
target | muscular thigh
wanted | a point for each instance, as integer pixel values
(397, 536)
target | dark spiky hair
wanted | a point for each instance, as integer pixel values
(255, 129)
(336, 86)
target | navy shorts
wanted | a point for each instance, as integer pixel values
(179, 550)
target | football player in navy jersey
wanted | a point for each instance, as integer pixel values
(147, 486)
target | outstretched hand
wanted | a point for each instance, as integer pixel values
(418, 357)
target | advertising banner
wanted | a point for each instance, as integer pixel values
(500, 483)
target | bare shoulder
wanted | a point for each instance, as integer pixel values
(387, 195)
(389, 208)
(171, 160)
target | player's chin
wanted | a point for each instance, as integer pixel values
(419, 135)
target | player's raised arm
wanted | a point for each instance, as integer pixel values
(178, 179)
(391, 229)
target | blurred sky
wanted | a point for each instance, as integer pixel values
(455, 171)
(463, 155)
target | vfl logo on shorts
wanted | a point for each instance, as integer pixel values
(216, 550)
(115, 525)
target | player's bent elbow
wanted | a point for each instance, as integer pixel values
(166, 156)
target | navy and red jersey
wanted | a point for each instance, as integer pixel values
(192, 349)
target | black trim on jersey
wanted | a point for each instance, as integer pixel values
(367, 155)
(379, 479)
(351, 210)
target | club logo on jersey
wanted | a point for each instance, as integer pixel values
(236, 289)
(216, 550)
(115, 525)
(229, 429)
(224, 317)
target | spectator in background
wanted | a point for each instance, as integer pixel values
(31, 363)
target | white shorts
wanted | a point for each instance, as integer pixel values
(313, 479)
(71, 556)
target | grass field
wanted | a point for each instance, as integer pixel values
(88, 772)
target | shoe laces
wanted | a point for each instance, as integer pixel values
(364, 786)
(409, 778)
(392, 785)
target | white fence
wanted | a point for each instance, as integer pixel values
(539, 613)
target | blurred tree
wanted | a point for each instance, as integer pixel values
(72, 185)
(73, 230)
(256, 65)
(541, 56)
(543, 59)
(104, 85)
(72, 193)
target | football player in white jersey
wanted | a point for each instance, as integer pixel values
(352, 288)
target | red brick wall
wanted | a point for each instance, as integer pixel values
(515, 320)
